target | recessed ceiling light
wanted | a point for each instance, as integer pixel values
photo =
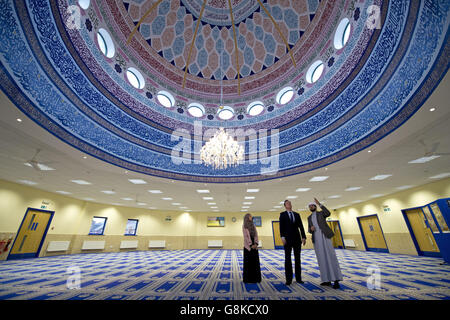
(44, 167)
(291, 197)
(19, 120)
(357, 201)
(176, 203)
(252, 190)
(63, 192)
(137, 181)
(127, 199)
(249, 198)
(403, 187)
(84, 157)
(155, 191)
(336, 196)
(353, 188)
(216, 210)
(80, 182)
(381, 177)
(211, 203)
(208, 198)
(141, 204)
(203, 191)
(88, 199)
(214, 207)
(167, 198)
(108, 192)
(424, 159)
(376, 195)
(247, 202)
(277, 207)
(441, 175)
(184, 208)
(432, 109)
(152, 208)
(318, 178)
(302, 189)
(245, 207)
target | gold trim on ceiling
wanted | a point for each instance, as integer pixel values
(192, 43)
(142, 19)
(235, 48)
(279, 31)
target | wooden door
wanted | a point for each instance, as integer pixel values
(31, 234)
(278, 243)
(337, 238)
(372, 233)
(423, 234)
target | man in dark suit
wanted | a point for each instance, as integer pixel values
(290, 223)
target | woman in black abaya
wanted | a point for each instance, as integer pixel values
(252, 270)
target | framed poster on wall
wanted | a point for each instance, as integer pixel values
(216, 222)
(257, 221)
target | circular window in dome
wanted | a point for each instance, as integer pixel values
(166, 99)
(225, 113)
(196, 110)
(315, 71)
(135, 77)
(342, 34)
(255, 108)
(84, 4)
(105, 43)
(285, 95)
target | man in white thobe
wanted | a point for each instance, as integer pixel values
(321, 237)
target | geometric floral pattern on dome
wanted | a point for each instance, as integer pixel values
(170, 27)
(59, 78)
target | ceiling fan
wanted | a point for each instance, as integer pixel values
(35, 164)
(432, 151)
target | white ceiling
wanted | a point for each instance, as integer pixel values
(20, 140)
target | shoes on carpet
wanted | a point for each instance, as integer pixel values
(326, 284)
(336, 285)
(299, 281)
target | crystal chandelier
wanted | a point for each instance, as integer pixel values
(221, 151)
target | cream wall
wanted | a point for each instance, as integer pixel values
(396, 233)
(72, 220)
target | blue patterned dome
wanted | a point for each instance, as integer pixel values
(97, 75)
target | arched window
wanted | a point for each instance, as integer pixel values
(196, 110)
(285, 95)
(225, 113)
(135, 77)
(166, 99)
(255, 108)
(342, 34)
(315, 71)
(105, 43)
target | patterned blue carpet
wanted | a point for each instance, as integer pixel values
(217, 274)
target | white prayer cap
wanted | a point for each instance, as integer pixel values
(312, 204)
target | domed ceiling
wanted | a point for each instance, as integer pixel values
(330, 77)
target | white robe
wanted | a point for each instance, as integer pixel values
(326, 256)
